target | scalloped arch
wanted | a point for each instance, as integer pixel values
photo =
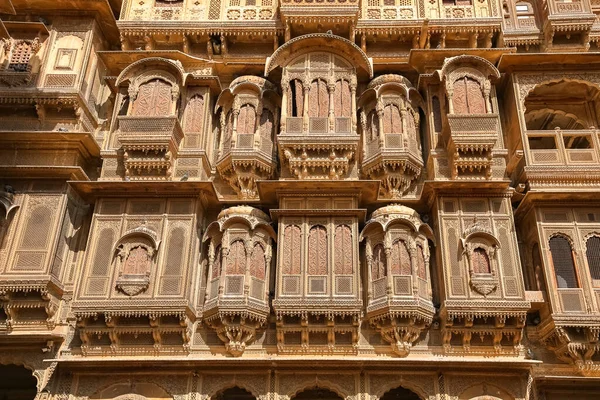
(230, 385)
(478, 63)
(319, 42)
(132, 70)
(525, 95)
(318, 383)
(419, 391)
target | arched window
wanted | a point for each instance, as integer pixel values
(373, 125)
(480, 261)
(317, 250)
(343, 250)
(562, 259)
(236, 259)
(421, 272)
(216, 267)
(296, 99)
(137, 262)
(342, 99)
(467, 97)
(392, 120)
(153, 99)
(194, 114)
(318, 99)
(258, 262)
(266, 124)
(246, 122)
(593, 256)
(401, 264)
(292, 247)
(437, 114)
(378, 264)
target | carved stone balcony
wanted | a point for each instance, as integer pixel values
(308, 10)
(555, 156)
(472, 138)
(399, 297)
(237, 297)
(568, 25)
(317, 150)
(150, 145)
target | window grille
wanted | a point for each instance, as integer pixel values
(562, 258)
(593, 256)
(19, 58)
(480, 261)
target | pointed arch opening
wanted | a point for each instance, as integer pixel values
(17, 383)
(400, 393)
(234, 393)
(317, 393)
(564, 265)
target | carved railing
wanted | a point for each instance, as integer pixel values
(317, 126)
(564, 8)
(558, 153)
(145, 132)
(389, 10)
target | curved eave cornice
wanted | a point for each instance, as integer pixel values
(319, 41)
(226, 28)
(426, 61)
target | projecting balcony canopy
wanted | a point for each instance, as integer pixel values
(318, 42)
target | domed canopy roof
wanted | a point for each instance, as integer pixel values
(243, 211)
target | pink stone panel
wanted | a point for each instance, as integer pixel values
(317, 251)
(292, 245)
(343, 250)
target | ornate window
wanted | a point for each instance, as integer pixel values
(246, 122)
(236, 259)
(19, 58)
(373, 125)
(318, 99)
(480, 261)
(468, 97)
(266, 124)
(317, 250)
(135, 253)
(562, 259)
(292, 247)
(378, 265)
(153, 99)
(257, 262)
(392, 120)
(401, 264)
(342, 105)
(593, 257)
(343, 250)
(421, 272)
(296, 99)
(194, 114)
(216, 267)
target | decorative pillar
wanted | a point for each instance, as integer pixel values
(285, 87)
(306, 89)
(331, 114)
(353, 104)
(236, 113)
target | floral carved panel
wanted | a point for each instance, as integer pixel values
(342, 97)
(343, 250)
(467, 97)
(153, 99)
(318, 99)
(236, 259)
(194, 114)
(246, 120)
(400, 259)
(257, 262)
(291, 250)
(378, 265)
(317, 251)
(392, 121)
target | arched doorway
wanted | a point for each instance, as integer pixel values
(317, 393)
(234, 393)
(17, 383)
(400, 393)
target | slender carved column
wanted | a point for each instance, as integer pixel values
(331, 114)
(306, 89)
(380, 115)
(236, 113)
(285, 87)
(353, 103)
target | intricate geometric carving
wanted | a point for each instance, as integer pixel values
(317, 251)
(343, 250)
(292, 247)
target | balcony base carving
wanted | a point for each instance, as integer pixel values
(318, 331)
(28, 306)
(121, 331)
(502, 329)
(401, 329)
(242, 174)
(574, 344)
(318, 161)
(396, 175)
(236, 329)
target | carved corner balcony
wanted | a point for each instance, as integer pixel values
(248, 120)
(149, 130)
(567, 25)
(397, 257)
(389, 111)
(521, 24)
(297, 14)
(239, 256)
(150, 145)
